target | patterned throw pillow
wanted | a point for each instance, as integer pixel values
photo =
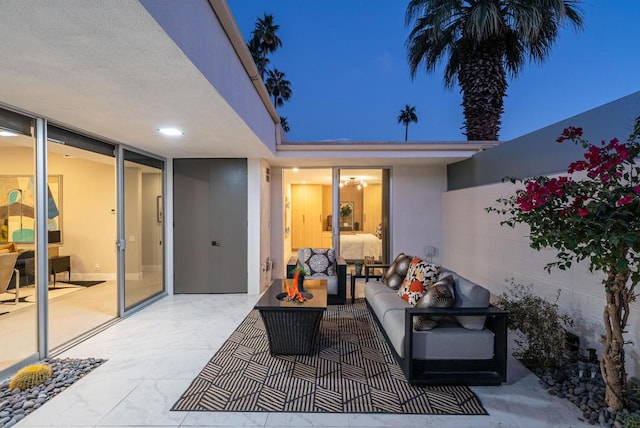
(419, 276)
(317, 261)
(396, 272)
(439, 295)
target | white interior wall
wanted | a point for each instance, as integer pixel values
(133, 222)
(253, 225)
(88, 198)
(479, 248)
(265, 226)
(151, 228)
(277, 239)
(416, 211)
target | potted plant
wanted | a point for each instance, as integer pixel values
(358, 267)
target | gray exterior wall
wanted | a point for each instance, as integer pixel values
(538, 153)
(198, 33)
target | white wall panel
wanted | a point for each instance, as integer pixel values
(417, 209)
(479, 248)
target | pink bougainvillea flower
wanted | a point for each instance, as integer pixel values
(636, 189)
(569, 133)
(625, 200)
(583, 212)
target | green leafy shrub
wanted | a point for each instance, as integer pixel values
(539, 329)
(632, 421)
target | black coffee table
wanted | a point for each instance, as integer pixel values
(292, 327)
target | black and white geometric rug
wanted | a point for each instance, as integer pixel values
(351, 371)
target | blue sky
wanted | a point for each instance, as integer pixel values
(346, 60)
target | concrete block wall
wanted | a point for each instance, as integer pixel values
(479, 248)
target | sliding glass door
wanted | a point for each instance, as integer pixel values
(81, 224)
(363, 215)
(18, 293)
(143, 228)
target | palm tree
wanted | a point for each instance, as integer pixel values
(265, 40)
(284, 123)
(406, 116)
(261, 63)
(278, 87)
(483, 40)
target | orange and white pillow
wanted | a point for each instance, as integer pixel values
(418, 278)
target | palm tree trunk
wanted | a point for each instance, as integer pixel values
(264, 62)
(406, 131)
(616, 314)
(482, 99)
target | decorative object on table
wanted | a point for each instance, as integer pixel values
(358, 267)
(299, 273)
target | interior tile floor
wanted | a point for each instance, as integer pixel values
(154, 354)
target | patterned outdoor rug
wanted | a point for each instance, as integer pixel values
(352, 371)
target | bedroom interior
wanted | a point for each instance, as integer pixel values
(83, 290)
(308, 212)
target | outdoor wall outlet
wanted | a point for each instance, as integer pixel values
(97, 266)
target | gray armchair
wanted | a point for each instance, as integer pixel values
(321, 263)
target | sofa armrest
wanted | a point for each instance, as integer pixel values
(496, 322)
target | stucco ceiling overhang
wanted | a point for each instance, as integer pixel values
(108, 69)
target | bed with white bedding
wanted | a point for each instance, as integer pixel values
(357, 246)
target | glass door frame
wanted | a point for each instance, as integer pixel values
(387, 178)
(121, 241)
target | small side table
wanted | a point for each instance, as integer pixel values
(353, 281)
(59, 264)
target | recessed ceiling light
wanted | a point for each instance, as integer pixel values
(4, 133)
(295, 169)
(172, 132)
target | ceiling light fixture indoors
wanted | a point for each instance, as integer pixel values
(172, 132)
(358, 183)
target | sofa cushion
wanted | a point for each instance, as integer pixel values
(419, 276)
(470, 295)
(317, 261)
(439, 295)
(384, 302)
(447, 341)
(396, 272)
(373, 287)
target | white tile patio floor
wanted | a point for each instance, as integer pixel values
(154, 355)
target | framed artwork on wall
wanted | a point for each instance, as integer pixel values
(17, 208)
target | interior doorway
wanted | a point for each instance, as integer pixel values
(356, 223)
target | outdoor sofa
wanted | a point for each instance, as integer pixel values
(467, 347)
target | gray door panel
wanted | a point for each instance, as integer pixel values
(210, 206)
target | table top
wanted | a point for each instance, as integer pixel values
(317, 287)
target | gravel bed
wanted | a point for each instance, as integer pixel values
(587, 393)
(16, 404)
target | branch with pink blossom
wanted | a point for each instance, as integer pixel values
(592, 213)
